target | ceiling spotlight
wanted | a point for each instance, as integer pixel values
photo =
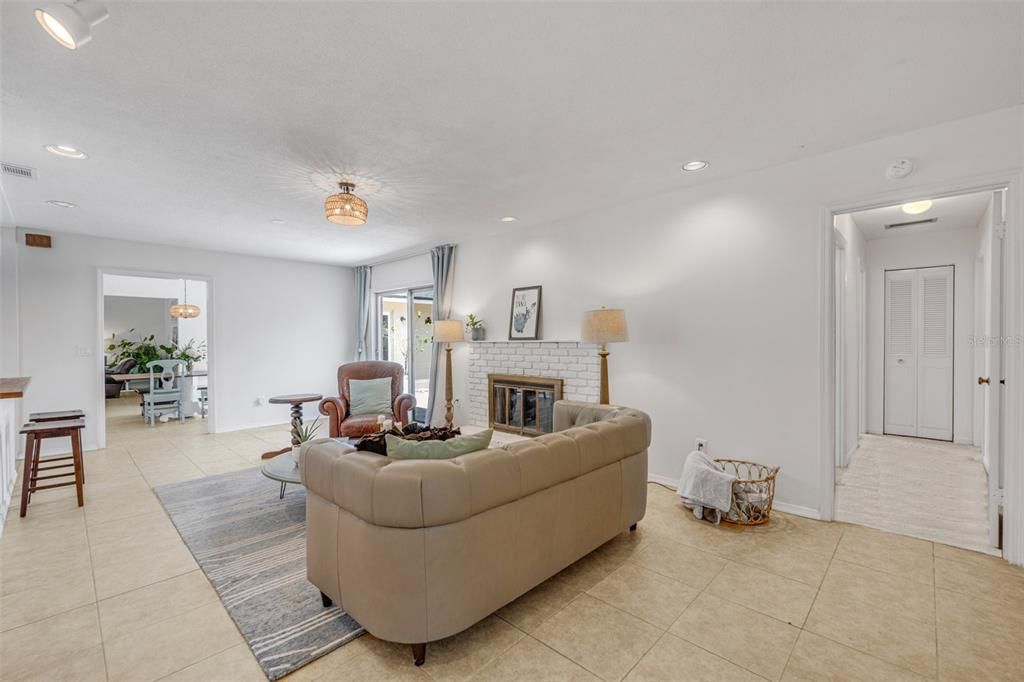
(62, 204)
(915, 207)
(695, 165)
(70, 23)
(345, 208)
(66, 150)
(276, 221)
(509, 219)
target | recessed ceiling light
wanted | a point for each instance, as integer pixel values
(695, 165)
(70, 23)
(915, 207)
(276, 221)
(509, 219)
(66, 150)
(62, 204)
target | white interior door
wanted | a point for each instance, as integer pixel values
(935, 353)
(993, 329)
(900, 353)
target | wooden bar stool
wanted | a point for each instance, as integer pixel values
(59, 416)
(35, 433)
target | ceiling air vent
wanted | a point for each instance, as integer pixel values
(893, 226)
(19, 171)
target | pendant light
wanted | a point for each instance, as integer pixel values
(345, 208)
(185, 309)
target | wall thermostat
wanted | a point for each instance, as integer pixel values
(900, 168)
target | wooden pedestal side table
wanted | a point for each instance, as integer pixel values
(295, 400)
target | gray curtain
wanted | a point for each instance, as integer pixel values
(442, 259)
(364, 304)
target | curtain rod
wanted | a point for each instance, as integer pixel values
(395, 259)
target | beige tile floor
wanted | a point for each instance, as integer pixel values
(896, 484)
(110, 592)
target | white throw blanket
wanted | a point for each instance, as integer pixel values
(705, 487)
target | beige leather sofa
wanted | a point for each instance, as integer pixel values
(418, 550)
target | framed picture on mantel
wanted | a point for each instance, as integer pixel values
(524, 319)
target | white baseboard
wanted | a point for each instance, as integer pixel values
(664, 480)
(796, 510)
(783, 507)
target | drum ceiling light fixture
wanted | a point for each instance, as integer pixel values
(345, 208)
(186, 309)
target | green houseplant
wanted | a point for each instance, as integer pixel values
(303, 433)
(142, 351)
(475, 327)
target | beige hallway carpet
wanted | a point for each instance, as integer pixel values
(913, 486)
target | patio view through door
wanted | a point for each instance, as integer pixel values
(405, 335)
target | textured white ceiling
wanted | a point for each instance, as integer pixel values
(204, 121)
(960, 212)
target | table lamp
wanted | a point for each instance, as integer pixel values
(604, 326)
(448, 332)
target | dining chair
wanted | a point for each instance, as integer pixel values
(164, 389)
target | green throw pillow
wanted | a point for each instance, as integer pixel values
(399, 448)
(369, 396)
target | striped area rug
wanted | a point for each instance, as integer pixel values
(252, 547)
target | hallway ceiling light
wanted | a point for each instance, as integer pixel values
(66, 150)
(62, 204)
(186, 309)
(345, 208)
(915, 207)
(691, 166)
(70, 23)
(509, 219)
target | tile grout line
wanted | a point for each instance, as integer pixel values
(817, 592)
(96, 597)
(935, 606)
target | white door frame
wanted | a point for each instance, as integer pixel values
(839, 298)
(100, 400)
(1013, 326)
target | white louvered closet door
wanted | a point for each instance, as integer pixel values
(919, 352)
(935, 355)
(900, 352)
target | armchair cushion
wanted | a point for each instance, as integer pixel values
(369, 396)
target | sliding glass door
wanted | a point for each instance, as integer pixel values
(405, 335)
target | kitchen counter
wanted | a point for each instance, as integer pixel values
(13, 387)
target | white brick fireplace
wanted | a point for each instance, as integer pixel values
(576, 363)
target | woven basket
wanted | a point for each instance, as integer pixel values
(752, 492)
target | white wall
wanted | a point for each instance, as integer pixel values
(721, 286)
(135, 317)
(956, 248)
(854, 255)
(276, 326)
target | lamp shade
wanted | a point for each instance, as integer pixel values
(345, 208)
(448, 331)
(605, 325)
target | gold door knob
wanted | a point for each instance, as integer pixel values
(982, 381)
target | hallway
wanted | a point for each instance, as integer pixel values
(923, 488)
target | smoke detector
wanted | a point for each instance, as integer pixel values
(899, 169)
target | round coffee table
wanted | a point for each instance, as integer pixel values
(295, 400)
(282, 468)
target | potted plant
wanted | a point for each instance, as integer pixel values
(142, 351)
(475, 327)
(191, 353)
(303, 433)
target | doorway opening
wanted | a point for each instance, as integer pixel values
(155, 345)
(918, 293)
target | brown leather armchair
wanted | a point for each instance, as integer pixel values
(342, 424)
